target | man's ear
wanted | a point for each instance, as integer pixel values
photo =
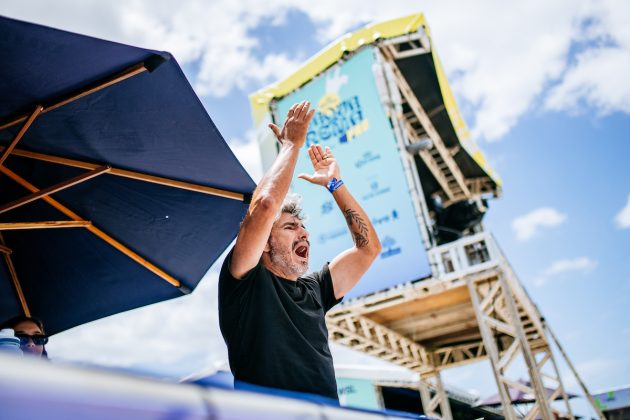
(267, 247)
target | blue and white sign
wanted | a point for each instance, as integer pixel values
(350, 119)
(358, 393)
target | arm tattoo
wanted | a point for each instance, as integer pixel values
(357, 227)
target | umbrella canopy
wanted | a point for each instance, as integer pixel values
(116, 188)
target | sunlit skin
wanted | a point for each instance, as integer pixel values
(282, 242)
(287, 250)
(29, 328)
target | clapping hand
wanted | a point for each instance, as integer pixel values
(324, 165)
(296, 124)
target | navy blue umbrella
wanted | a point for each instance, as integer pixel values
(116, 188)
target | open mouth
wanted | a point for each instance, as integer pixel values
(301, 250)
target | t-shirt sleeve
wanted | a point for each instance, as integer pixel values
(225, 270)
(231, 287)
(326, 285)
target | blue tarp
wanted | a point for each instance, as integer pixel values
(152, 123)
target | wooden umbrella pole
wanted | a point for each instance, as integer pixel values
(53, 189)
(14, 279)
(20, 134)
(132, 174)
(96, 231)
(126, 74)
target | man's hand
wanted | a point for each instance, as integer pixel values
(296, 124)
(348, 267)
(324, 165)
(267, 198)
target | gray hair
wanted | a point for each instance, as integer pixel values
(292, 205)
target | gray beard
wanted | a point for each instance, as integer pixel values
(282, 258)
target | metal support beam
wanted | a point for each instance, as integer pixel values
(510, 324)
(547, 356)
(446, 165)
(577, 376)
(493, 352)
(362, 334)
(433, 396)
(534, 375)
(394, 109)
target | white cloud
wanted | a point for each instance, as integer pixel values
(500, 55)
(579, 265)
(215, 35)
(173, 338)
(248, 153)
(528, 225)
(503, 55)
(597, 79)
(622, 219)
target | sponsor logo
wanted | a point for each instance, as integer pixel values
(375, 190)
(366, 158)
(389, 247)
(332, 235)
(327, 207)
(328, 103)
(347, 389)
(389, 217)
(337, 120)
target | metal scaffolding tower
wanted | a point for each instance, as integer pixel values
(476, 312)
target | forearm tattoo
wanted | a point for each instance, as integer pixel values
(358, 228)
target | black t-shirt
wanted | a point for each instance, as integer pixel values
(275, 329)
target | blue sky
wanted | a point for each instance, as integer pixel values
(543, 87)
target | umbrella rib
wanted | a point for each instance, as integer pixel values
(53, 189)
(44, 225)
(14, 279)
(20, 134)
(119, 77)
(132, 174)
(96, 231)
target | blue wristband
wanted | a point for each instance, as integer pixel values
(333, 184)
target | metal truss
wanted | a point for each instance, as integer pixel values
(433, 396)
(395, 326)
(544, 356)
(409, 45)
(439, 159)
(497, 314)
(362, 334)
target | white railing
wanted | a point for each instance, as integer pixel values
(465, 256)
(32, 388)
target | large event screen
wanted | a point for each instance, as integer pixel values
(351, 120)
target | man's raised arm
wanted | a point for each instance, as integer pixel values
(271, 190)
(348, 267)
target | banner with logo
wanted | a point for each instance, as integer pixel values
(351, 120)
(358, 393)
